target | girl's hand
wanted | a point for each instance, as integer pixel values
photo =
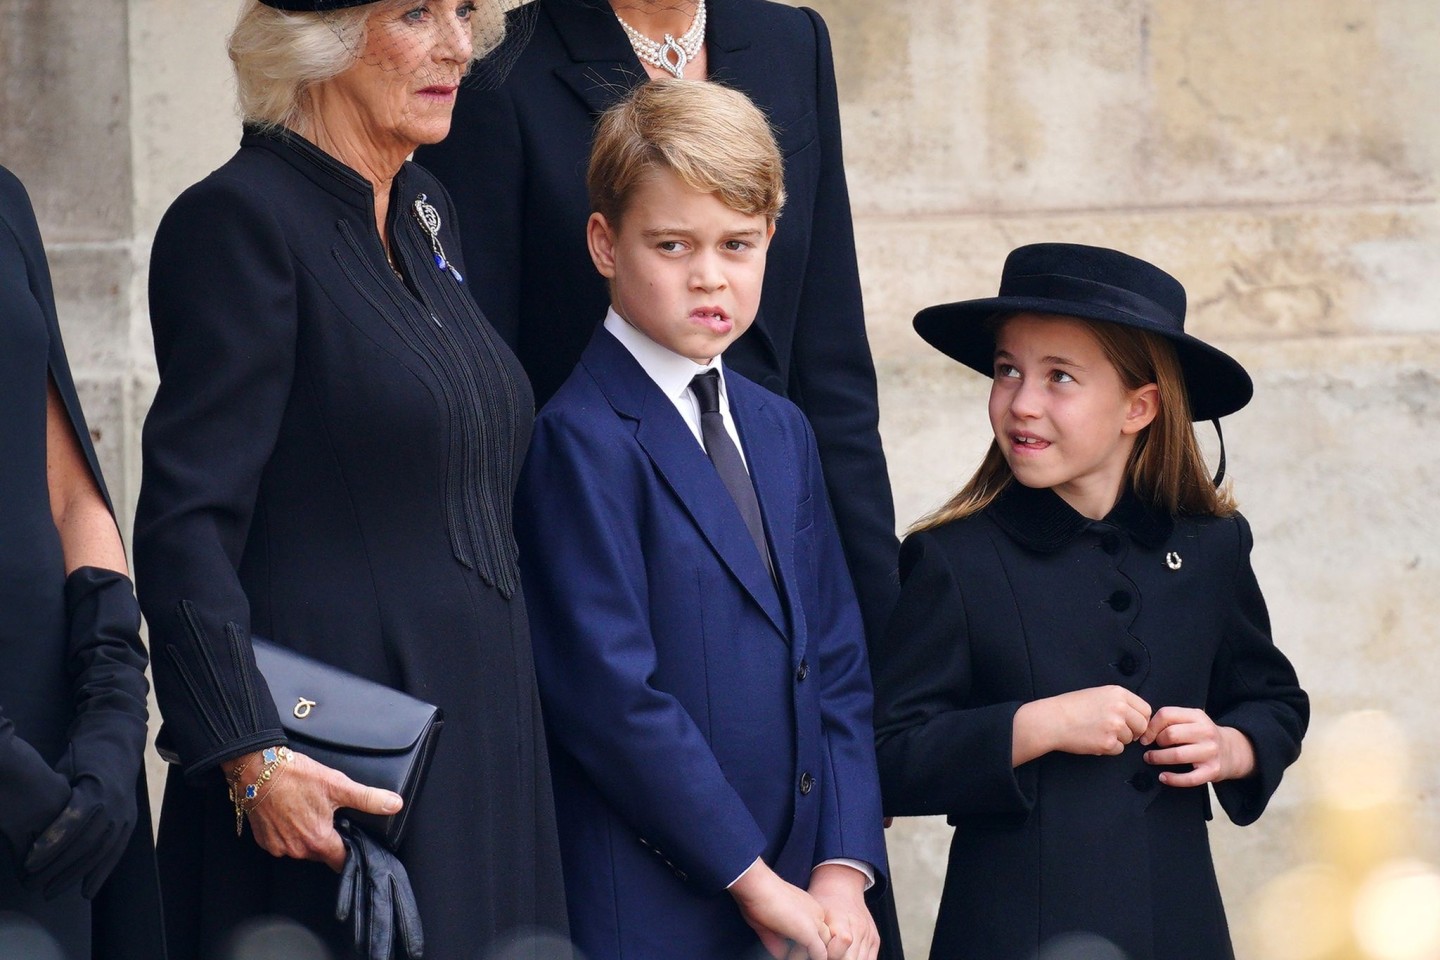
(295, 816)
(1188, 735)
(1096, 721)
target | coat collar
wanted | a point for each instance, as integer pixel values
(325, 171)
(682, 464)
(1041, 520)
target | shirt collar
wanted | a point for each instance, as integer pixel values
(671, 372)
(1041, 520)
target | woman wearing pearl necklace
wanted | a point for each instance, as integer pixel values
(515, 165)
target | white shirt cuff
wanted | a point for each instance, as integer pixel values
(860, 865)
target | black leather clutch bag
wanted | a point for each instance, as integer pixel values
(371, 733)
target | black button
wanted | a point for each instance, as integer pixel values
(1127, 665)
(802, 671)
(807, 783)
(1120, 601)
(1110, 543)
(1144, 780)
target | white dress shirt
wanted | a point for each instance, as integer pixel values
(672, 373)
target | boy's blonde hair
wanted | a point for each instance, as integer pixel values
(710, 136)
(1166, 468)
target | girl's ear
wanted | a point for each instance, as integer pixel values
(1144, 407)
(601, 239)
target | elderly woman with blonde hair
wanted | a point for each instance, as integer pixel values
(329, 464)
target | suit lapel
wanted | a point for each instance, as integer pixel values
(681, 462)
(772, 469)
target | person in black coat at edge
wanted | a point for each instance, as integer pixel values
(77, 858)
(329, 463)
(515, 164)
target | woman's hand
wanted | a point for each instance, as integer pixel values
(1188, 735)
(294, 815)
(1096, 721)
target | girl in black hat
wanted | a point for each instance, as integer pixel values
(1080, 644)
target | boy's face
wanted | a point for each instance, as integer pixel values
(684, 268)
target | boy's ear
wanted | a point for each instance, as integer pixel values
(601, 239)
(1144, 407)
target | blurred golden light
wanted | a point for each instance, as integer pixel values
(1301, 914)
(1364, 761)
(1397, 912)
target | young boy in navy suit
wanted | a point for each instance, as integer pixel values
(699, 648)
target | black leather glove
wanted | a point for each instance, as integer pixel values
(375, 896)
(106, 662)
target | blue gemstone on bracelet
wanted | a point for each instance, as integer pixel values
(250, 792)
(270, 755)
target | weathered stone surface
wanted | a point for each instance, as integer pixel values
(1065, 105)
(64, 113)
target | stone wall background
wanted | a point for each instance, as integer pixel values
(1279, 156)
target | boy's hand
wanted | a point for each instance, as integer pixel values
(1188, 735)
(789, 922)
(1096, 721)
(840, 890)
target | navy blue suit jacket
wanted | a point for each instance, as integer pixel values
(701, 714)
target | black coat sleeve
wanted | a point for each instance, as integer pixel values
(832, 375)
(223, 309)
(942, 749)
(1253, 688)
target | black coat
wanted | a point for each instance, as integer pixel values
(36, 699)
(1028, 600)
(515, 163)
(329, 462)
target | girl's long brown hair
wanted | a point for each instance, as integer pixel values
(1166, 468)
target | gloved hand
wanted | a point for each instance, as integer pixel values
(375, 896)
(106, 662)
(31, 793)
(84, 842)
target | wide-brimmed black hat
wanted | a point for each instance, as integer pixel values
(1093, 283)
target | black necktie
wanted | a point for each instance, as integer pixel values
(726, 457)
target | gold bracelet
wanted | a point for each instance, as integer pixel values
(248, 797)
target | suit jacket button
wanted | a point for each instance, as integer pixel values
(1127, 665)
(1119, 601)
(807, 783)
(1144, 780)
(1110, 543)
(803, 671)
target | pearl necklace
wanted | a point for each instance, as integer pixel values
(671, 54)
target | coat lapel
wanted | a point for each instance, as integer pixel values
(681, 462)
(602, 67)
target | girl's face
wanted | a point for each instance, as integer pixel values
(1061, 415)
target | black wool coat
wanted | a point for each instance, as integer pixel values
(329, 462)
(1028, 599)
(36, 698)
(515, 163)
